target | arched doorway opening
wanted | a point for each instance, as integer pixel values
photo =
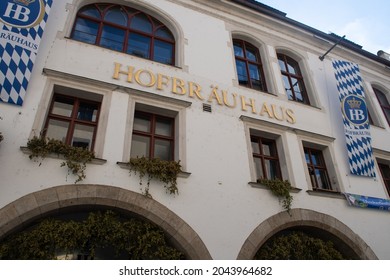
(77, 199)
(315, 225)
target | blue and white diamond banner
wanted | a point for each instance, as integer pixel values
(22, 23)
(355, 118)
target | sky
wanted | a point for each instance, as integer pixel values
(366, 23)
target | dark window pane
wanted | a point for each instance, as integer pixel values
(164, 127)
(163, 52)
(91, 12)
(115, 15)
(83, 136)
(385, 170)
(238, 51)
(382, 98)
(255, 147)
(254, 73)
(141, 22)
(57, 130)
(287, 86)
(164, 32)
(138, 45)
(269, 149)
(242, 73)
(142, 123)
(258, 168)
(307, 157)
(292, 67)
(251, 53)
(85, 31)
(87, 112)
(112, 38)
(140, 146)
(322, 179)
(387, 113)
(162, 149)
(282, 65)
(271, 169)
(63, 107)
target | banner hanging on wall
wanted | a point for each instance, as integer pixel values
(367, 201)
(355, 118)
(22, 23)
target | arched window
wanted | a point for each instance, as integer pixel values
(125, 29)
(292, 79)
(384, 102)
(249, 67)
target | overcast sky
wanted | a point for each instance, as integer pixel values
(366, 23)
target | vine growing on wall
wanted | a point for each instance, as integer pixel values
(100, 236)
(155, 168)
(298, 245)
(281, 189)
(76, 158)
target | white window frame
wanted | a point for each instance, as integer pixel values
(163, 106)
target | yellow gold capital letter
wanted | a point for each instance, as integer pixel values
(194, 89)
(118, 71)
(244, 104)
(178, 83)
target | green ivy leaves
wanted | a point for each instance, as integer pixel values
(76, 158)
(281, 189)
(165, 171)
(125, 238)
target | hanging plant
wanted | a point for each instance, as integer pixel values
(281, 189)
(298, 245)
(155, 168)
(100, 236)
(76, 158)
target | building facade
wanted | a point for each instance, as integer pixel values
(233, 89)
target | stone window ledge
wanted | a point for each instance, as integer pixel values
(326, 193)
(98, 161)
(125, 165)
(260, 186)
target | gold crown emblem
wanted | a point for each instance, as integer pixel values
(24, 2)
(354, 104)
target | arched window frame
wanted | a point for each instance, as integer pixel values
(384, 102)
(247, 62)
(127, 31)
(285, 61)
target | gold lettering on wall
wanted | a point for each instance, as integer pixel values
(146, 78)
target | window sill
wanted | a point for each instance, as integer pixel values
(98, 161)
(260, 186)
(326, 193)
(125, 165)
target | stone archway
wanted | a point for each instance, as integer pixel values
(304, 218)
(19, 213)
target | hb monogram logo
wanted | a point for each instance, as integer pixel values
(355, 110)
(21, 13)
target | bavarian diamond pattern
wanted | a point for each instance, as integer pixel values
(349, 82)
(16, 63)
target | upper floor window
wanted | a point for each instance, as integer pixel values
(125, 29)
(317, 169)
(292, 79)
(249, 67)
(384, 102)
(385, 171)
(265, 157)
(153, 136)
(73, 121)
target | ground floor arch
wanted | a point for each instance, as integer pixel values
(306, 219)
(19, 214)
